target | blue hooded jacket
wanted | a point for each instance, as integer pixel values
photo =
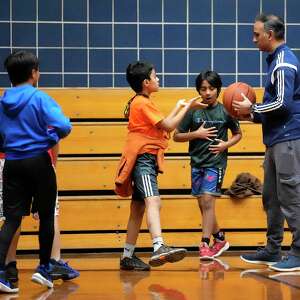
(31, 122)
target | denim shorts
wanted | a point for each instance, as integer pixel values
(207, 181)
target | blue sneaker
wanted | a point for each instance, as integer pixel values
(42, 275)
(287, 264)
(61, 270)
(261, 256)
(7, 286)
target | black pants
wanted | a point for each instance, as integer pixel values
(24, 181)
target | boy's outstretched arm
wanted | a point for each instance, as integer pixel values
(170, 122)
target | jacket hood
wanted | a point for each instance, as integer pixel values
(16, 98)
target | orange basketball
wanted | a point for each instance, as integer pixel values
(233, 92)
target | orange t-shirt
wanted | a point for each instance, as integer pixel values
(143, 118)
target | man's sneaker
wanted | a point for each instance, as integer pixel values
(252, 273)
(61, 270)
(42, 275)
(12, 271)
(7, 286)
(287, 264)
(133, 263)
(261, 256)
(205, 252)
(166, 254)
(219, 247)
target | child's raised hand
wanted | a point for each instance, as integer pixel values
(193, 103)
(181, 103)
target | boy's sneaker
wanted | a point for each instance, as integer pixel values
(42, 275)
(61, 270)
(12, 271)
(157, 291)
(216, 266)
(213, 265)
(287, 264)
(7, 286)
(205, 252)
(166, 254)
(219, 247)
(133, 263)
(261, 256)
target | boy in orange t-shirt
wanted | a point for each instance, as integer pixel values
(147, 123)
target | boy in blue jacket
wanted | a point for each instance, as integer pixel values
(26, 113)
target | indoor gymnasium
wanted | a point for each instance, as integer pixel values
(142, 149)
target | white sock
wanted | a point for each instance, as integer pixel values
(128, 250)
(157, 242)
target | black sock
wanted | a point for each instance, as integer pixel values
(205, 240)
(219, 235)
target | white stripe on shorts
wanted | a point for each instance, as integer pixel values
(147, 185)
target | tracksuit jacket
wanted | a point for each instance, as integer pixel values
(280, 111)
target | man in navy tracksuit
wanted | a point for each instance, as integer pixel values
(280, 117)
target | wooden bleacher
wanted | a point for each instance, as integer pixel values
(91, 217)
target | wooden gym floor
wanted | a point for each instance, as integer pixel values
(226, 279)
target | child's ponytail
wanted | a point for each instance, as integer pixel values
(127, 108)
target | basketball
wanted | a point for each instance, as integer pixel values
(233, 92)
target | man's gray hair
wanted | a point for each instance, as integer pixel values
(274, 23)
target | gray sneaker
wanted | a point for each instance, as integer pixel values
(166, 254)
(133, 263)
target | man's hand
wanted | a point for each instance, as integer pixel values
(242, 107)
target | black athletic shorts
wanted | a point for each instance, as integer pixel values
(27, 180)
(145, 177)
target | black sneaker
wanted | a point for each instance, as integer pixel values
(166, 254)
(133, 263)
(12, 271)
(61, 270)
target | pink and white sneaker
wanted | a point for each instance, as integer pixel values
(205, 252)
(219, 247)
